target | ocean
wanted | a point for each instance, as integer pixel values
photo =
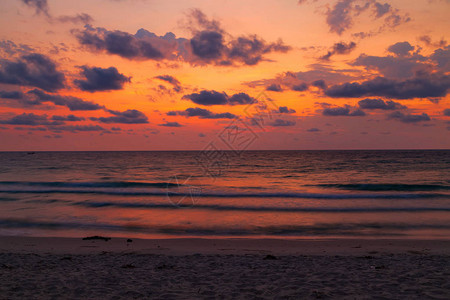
(215, 194)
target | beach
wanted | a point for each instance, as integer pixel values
(188, 268)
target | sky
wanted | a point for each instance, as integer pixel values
(226, 74)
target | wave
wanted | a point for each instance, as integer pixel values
(199, 194)
(327, 229)
(110, 184)
(221, 207)
(386, 187)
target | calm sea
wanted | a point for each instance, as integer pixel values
(289, 194)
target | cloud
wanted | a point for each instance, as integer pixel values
(215, 98)
(73, 103)
(313, 129)
(394, 67)
(202, 113)
(401, 48)
(11, 95)
(130, 116)
(30, 120)
(11, 48)
(70, 118)
(442, 58)
(408, 118)
(342, 111)
(173, 81)
(301, 87)
(274, 88)
(341, 16)
(446, 112)
(99, 79)
(171, 124)
(339, 48)
(210, 44)
(82, 18)
(35, 70)
(321, 84)
(139, 46)
(250, 50)
(40, 6)
(428, 41)
(422, 86)
(379, 104)
(76, 128)
(286, 110)
(282, 123)
(299, 81)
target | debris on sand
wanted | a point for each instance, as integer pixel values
(96, 237)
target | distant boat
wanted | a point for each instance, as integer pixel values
(31, 153)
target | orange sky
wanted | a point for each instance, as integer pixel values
(77, 76)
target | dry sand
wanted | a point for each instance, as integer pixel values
(42, 268)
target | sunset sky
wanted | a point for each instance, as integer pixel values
(176, 75)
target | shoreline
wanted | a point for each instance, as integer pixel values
(217, 246)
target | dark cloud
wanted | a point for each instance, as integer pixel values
(274, 88)
(208, 98)
(11, 95)
(447, 112)
(380, 104)
(442, 58)
(70, 118)
(408, 118)
(422, 86)
(281, 123)
(216, 98)
(319, 84)
(30, 120)
(73, 103)
(285, 110)
(401, 48)
(250, 50)
(241, 99)
(171, 124)
(342, 111)
(76, 128)
(210, 44)
(138, 46)
(202, 113)
(99, 79)
(339, 48)
(173, 81)
(301, 87)
(130, 116)
(313, 129)
(35, 70)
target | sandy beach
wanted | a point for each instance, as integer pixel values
(72, 268)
